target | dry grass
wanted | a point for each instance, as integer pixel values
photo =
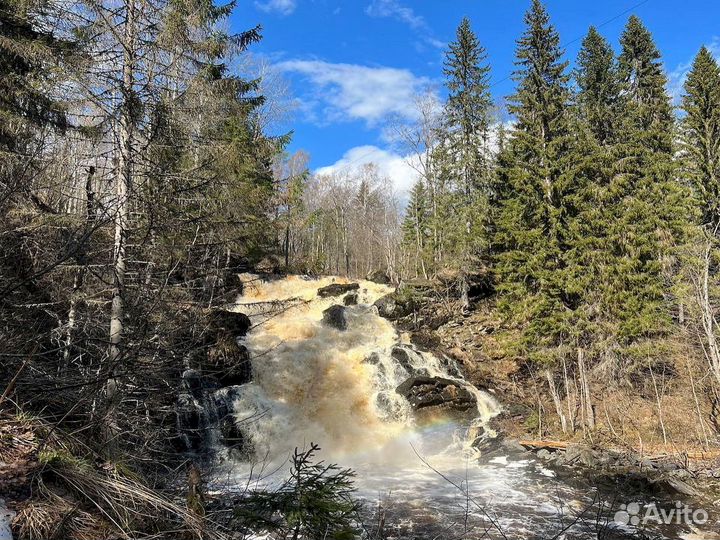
(74, 496)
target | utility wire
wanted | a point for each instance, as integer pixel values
(601, 25)
(347, 166)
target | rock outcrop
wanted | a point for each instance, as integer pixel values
(423, 392)
(334, 316)
(337, 289)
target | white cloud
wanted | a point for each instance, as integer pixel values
(355, 92)
(393, 8)
(283, 7)
(678, 76)
(392, 165)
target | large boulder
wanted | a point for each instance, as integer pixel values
(423, 392)
(229, 362)
(389, 307)
(337, 289)
(378, 276)
(231, 323)
(334, 316)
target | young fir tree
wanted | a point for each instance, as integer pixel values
(648, 209)
(701, 133)
(415, 229)
(598, 87)
(29, 59)
(532, 235)
(463, 157)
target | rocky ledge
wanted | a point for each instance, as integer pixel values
(424, 392)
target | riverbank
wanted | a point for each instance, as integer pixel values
(653, 419)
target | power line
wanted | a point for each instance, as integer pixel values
(347, 166)
(601, 25)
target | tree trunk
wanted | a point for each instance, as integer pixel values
(585, 397)
(556, 400)
(123, 189)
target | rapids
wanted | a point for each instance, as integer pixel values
(424, 477)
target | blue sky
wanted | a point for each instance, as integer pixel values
(352, 64)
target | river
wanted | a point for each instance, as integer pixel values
(420, 471)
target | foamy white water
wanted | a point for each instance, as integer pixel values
(337, 388)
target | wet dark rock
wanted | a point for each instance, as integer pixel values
(334, 316)
(373, 359)
(189, 422)
(378, 276)
(229, 322)
(193, 383)
(423, 392)
(337, 289)
(351, 299)
(394, 307)
(402, 355)
(229, 362)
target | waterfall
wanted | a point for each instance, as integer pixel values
(340, 386)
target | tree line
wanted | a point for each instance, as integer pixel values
(593, 206)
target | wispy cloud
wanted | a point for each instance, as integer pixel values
(678, 76)
(283, 7)
(342, 92)
(394, 9)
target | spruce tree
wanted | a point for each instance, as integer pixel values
(463, 156)
(701, 133)
(647, 106)
(536, 186)
(415, 229)
(598, 86)
(596, 124)
(648, 209)
(28, 58)
(466, 122)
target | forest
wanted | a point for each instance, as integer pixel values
(564, 245)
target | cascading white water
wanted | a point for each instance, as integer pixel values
(313, 382)
(337, 388)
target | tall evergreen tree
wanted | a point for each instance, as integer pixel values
(463, 156)
(701, 132)
(649, 210)
(597, 125)
(646, 103)
(535, 185)
(598, 86)
(415, 229)
(466, 123)
(29, 58)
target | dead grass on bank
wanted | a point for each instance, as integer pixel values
(61, 490)
(661, 401)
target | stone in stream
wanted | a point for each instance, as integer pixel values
(334, 316)
(351, 299)
(378, 276)
(229, 362)
(403, 355)
(423, 392)
(337, 289)
(231, 322)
